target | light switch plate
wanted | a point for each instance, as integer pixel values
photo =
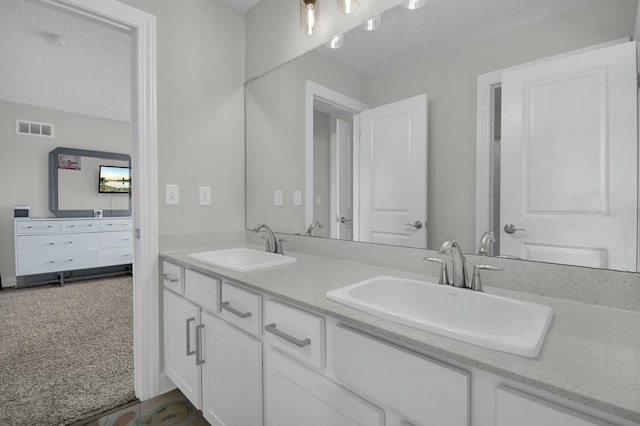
(297, 198)
(277, 197)
(172, 195)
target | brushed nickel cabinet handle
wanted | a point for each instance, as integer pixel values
(189, 351)
(199, 360)
(234, 311)
(271, 328)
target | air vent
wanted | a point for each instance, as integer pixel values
(34, 128)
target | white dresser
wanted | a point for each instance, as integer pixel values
(59, 245)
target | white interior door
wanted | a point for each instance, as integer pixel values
(342, 181)
(392, 173)
(569, 148)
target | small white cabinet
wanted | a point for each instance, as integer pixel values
(180, 320)
(231, 375)
(296, 396)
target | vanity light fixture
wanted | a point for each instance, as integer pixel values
(336, 42)
(309, 16)
(348, 6)
(372, 24)
(413, 4)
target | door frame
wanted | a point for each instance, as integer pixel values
(146, 298)
(484, 119)
(317, 91)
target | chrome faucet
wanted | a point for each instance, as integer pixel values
(309, 232)
(272, 242)
(488, 238)
(460, 275)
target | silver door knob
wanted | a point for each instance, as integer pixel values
(510, 229)
(416, 225)
(345, 220)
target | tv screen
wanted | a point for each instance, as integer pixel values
(114, 179)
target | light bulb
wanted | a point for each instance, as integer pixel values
(309, 21)
(336, 42)
(413, 4)
(372, 24)
(348, 6)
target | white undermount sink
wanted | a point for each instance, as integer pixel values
(241, 259)
(494, 322)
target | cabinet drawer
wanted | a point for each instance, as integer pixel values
(87, 225)
(419, 388)
(295, 332)
(241, 308)
(202, 290)
(116, 256)
(172, 276)
(70, 260)
(37, 227)
(55, 243)
(116, 239)
(514, 408)
(116, 224)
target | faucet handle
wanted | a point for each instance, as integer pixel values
(444, 276)
(279, 248)
(476, 284)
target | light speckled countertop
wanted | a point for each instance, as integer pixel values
(591, 354)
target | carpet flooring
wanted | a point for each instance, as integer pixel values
(66, 353)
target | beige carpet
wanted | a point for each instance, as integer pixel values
(66, 353)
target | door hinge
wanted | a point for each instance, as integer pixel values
(137, 233)
(638, 81)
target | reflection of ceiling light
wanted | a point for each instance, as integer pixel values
(348, 6)
(54, 39)
(372, 24)
(413, 4)
(336, 42)
(309, 16)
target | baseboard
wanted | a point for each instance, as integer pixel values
(166, 385)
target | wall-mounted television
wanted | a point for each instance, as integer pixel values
(114, 179)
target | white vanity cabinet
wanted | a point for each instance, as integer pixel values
(422, 390)
(215, 364)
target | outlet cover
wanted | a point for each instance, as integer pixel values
(172, 195)
(277, 197)
(297, 198)
(205, 195)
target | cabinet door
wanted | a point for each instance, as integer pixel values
(297, 396)
(180, 320)
(514, 408)
(231, 375)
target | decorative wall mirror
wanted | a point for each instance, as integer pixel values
(82, 182)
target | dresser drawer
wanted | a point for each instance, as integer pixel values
(70, 260)
(116, 256)
(125, 224)
(417, 387)
(37, 227)
(202, 290)
(116, 239)
(87, 225)
(241, 308)
(295, 332)
(54, 243)
(173, 276)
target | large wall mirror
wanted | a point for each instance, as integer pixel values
(83, 181)
(381, 140)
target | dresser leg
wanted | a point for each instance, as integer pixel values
(61, 278)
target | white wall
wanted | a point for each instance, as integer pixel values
(200, 45)
(24, 176)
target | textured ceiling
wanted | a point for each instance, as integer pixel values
(405, 37)
(89, 74)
